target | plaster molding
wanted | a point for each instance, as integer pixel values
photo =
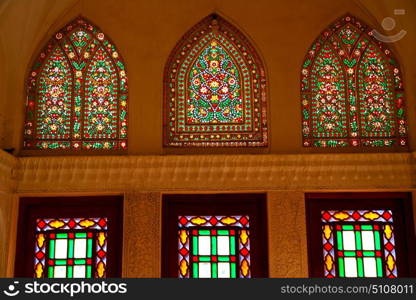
(216, 172)
(8, 164)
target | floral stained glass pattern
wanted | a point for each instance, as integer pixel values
(77, 93)
(215, 89)
(71, 248)
(358, 243)
(214, 247)
(352, 91)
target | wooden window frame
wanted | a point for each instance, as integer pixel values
(32, 208)
(399, 203)
(254, 205)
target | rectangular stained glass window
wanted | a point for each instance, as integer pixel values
(214, 247)
(358, 243)
(71, 248)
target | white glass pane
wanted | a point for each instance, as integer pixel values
(204, 245)
(80, 248)
(350, 267)
(223, 270)
(223, 244)
(348, 237)
(61, 248)
(60, 272)
(204, 270)
(79, 271)
(367, 240)
(370, 267)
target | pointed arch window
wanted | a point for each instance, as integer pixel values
(214, 89)
(77, 92)
(351, 89)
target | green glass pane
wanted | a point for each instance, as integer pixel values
(347, 227)
(369, 253)
(360, 267)
(62, 235)
(377, 240)
(232, 245)
(50, 272)
(341, 267)
(366, 227)
(205, 258)
(70, 272)
(233, 273)
(195, 245)
(223, 258)
(379, 264)
(89, 272)
(70, 248)
(81, 235)
(349, 253)
(79, 261)
(89, 248)
(60, 262)
(339, 240)
(213, 245)
(204, 232)
(52, 249)
(223, 232)
(358, 244)
(214, 272)
(195, 270)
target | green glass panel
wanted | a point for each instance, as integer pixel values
(52, 249)
(232, 245)
(50, 272)
(205, 258)
(223, 232)
(89, 248)
(79, 261)
(360, 267)
(214, 273)
(60, 262)
(223, 258)
(62, 235)
(341, 267)
(233, 271)
(349, 253)
(70, 248)
(81, 235)
(369, 253)
(366, 227)
(195, 270)
(195, 245)
(358, 244)
(347, 227)
(377, 240)
(70, 270)
(379, 264)
(89, 272)
(213, 245)
(339, 240)
(204, 232)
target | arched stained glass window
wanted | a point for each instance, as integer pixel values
(352, 91)
(77, 92)
(215, 89)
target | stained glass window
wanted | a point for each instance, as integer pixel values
(358, 243)
(71, 248)
(77, 92)
(352, 91)
(215, 89)
(214, 247)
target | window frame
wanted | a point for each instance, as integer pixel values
(32, 208)
(253, 205)
(401, 206)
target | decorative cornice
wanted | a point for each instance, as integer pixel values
(217, 172)
(8, 163)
